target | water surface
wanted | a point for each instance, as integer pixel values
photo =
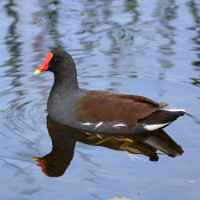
(133, 47)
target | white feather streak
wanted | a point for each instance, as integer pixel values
(99, 124)
(86, 124)
(118, 125)
(176, 110)
(152, 127)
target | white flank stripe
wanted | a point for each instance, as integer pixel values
(99, 136)
(118, 125)
(88, 133)
(99, 124)
(176, 110)
(154, 126)
(86, 124)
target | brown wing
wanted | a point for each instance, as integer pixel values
(97, 106)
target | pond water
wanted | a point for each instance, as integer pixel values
(148, 48)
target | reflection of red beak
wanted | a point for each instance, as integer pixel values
(44, 66)
(42, 164)
(123, 138)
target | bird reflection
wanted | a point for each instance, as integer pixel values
(64, 139)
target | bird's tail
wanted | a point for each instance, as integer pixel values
(161, 119)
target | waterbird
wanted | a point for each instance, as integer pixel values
(96, 110)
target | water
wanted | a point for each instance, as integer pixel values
(133, 47)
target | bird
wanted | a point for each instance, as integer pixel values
(96, 110)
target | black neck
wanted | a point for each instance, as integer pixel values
(66, 82)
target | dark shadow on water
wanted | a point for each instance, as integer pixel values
(14, 47)
(165, 13)
(194, 9)
(64, 139)
(53, 28)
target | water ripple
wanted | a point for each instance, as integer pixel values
(22, 115)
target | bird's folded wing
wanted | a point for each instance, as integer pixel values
(98, 106)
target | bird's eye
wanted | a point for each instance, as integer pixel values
(53, 60)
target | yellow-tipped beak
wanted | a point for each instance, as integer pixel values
(44, 66)
(37, 72)
(35, 158)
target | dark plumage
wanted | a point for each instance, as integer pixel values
(99, 111)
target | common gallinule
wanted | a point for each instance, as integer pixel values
(99, 111)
